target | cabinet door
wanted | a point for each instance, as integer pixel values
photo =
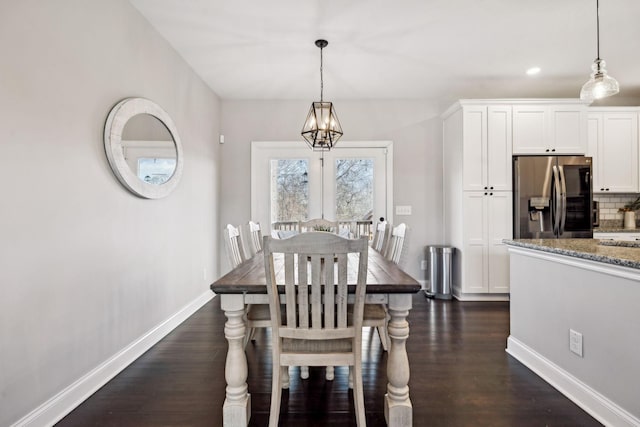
(475, 250)
(499, 226)
(499, 146)
(618, 153)
(529, 129)
(567, 129)
(594, 139)
(474, 150)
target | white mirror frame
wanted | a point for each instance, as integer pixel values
(116, 121)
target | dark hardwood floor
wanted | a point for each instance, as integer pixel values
(460, 376)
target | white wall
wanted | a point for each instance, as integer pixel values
(414, 127)
(86, 267)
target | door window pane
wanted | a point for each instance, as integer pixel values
(354, 189)
(289, 190)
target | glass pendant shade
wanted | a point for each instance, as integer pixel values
(322, 128)
(600, 85)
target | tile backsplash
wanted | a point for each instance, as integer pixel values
(610, 205)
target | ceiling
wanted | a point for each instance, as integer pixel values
(406, 49)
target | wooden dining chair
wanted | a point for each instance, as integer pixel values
(317, 327)
(257, 314)
(233, 245)
(255, 236)
(381, 236)
(319, 224)
(398, 243)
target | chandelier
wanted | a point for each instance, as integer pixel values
(322, 128)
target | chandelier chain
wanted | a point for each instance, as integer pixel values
(321, 80)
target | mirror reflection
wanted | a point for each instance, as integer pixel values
(149, 149)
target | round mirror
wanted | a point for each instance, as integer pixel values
(143, 148)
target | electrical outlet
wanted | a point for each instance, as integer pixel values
(423, 265)
(403, 210)
(575, 342)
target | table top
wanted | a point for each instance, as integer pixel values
(383, 277)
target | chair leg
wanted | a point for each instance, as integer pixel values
(384, 337)
(285, 377)
(276, 395)
(330, 373)
(358, 395)
(304, 372)
(249, 336)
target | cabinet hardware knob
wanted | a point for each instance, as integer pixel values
(485, 194)
(547, 150)
(491, 194)
(554, 150)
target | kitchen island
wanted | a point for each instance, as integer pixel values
(593, 289)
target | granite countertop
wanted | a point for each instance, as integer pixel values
(590, 249)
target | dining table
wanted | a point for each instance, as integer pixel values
(387, 284)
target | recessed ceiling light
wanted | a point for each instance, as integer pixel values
(533, 71)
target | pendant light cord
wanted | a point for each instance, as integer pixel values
(597, 31)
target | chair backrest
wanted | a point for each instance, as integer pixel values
(398, 243)
(315, 281)
(381, 236)
(284, 229)
(233, 244)
(319, 224)
(255, 236)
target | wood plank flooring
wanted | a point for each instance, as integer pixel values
(460, 376)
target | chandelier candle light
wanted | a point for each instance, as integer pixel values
(600, 85)
(322, 128)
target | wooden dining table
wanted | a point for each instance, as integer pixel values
(386, 284)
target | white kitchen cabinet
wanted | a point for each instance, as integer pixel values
(613, 144)
(484, 258)
(486, 151)
(542, 128)
(477, 196)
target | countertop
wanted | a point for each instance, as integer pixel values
(589, 249)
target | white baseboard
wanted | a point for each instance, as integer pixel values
(598, 406)
(68, 399)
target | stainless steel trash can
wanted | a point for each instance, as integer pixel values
(440, 271)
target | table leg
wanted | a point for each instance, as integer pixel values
(236, 410)
(397, 405)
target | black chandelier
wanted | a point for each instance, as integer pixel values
(322, 128)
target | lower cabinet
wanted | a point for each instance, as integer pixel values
(487, 221)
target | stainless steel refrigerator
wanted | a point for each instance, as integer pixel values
(552, 197)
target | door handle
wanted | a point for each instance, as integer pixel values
(563, 199)
(556, 201)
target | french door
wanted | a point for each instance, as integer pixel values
(289, 182)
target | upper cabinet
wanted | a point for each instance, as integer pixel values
(486, 149)
(546, 128)
(613, 144)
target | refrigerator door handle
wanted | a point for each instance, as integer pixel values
(563, 198)
(556, 201)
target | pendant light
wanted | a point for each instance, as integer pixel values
(600, 85)
(322, 128)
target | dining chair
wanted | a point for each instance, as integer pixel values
(255, 236)
(257, 315)
(381, 236)
(396, 250)
(233, 244)
(284, 229)
(319, 224)
(317, 327)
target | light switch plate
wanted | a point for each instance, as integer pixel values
(403, 210)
